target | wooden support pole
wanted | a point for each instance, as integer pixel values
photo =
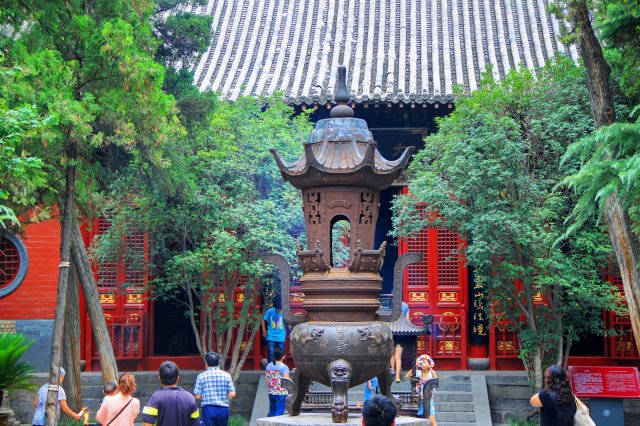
(94, 308)
(71, 351)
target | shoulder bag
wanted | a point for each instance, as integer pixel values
(582, 418)
(120, 412)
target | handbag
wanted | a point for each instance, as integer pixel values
(120, 412)
(582, 418)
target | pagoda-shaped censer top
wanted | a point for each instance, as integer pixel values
(341, 151)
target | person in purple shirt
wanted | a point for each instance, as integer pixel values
(171, 405)
(274, 374)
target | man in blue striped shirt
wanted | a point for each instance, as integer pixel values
(171, 405)
(215, 388)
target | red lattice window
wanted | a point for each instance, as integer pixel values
(447, 258)
(134, 265)
(103, 225)
(418, 273)
(107, 271)
(107, 275)
(9, 262)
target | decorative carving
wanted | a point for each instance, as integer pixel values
(313, 260)
(134, 298)
(342, 339)
(418, 296)
(107, 298)
(304, 336)
(448, 296)
(368, 260)
(366, 333)
(449, 345)
(366, 208)
(506, 345)
(340, 376)
(313, 208)
(339, 203)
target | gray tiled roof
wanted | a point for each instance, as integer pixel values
(395, 50)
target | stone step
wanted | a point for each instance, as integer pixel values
(455, 423)
(455, 417)
(464, 407)
(453, 397)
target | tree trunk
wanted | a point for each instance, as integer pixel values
(597, 68)
(624, 242)
(627, 250)
(96, 314)
(63, 279)
(538, 370)
(71, 352)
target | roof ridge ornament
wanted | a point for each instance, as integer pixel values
(342, 110)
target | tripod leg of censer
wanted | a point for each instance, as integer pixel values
(384, 381)
(300, 385)
(340, 376)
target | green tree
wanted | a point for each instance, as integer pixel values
(22, 174)
(601, 186)
(491, 173)
(219, 205)
(92, 63)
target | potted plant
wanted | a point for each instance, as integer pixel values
(14, 374)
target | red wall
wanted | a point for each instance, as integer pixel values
(35, 298)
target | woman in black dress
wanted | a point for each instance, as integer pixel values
(556, 401)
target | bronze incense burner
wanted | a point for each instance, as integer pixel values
(341, 341)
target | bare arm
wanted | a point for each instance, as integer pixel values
(68, 411)
(535, 400)
(433, 373)
(35, 402)
(231, 395)
(198, 397)
(264, 329)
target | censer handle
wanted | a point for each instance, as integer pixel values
(281, 263)
(398, 271)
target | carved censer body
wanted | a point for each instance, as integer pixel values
(341, 341)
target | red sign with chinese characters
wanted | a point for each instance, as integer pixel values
(605, 382)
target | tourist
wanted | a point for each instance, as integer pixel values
(556, 401)
(273, 328)
(371, 388)
(214, 388)
(274, 374)
(378, 411)
(41, 400)
(425, 372)
(396, 357)
(171, 405)
(120, 408)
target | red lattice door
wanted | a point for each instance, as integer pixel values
(122, 287)
(438, 286)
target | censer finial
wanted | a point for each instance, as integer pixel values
(342, 110)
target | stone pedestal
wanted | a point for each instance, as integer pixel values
(313, 419)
